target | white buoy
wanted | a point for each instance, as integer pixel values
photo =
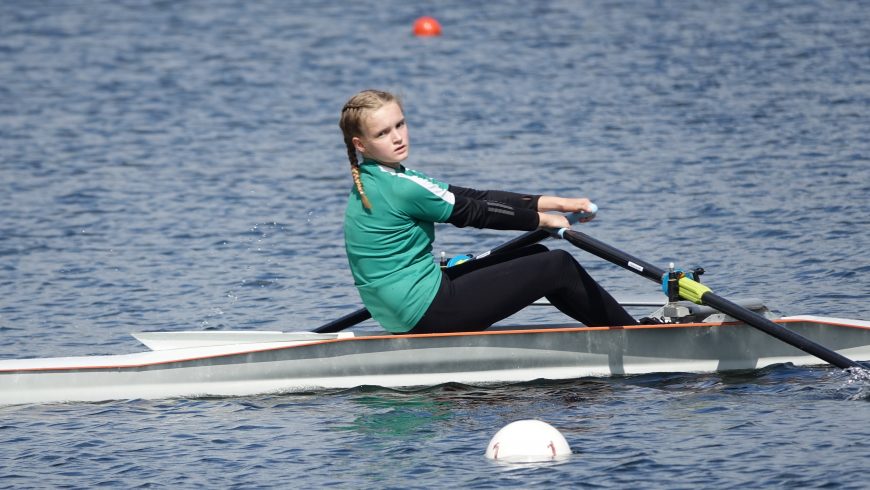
(528, 441)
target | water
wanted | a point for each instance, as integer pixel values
(177, 165)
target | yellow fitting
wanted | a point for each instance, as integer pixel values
(692, 290)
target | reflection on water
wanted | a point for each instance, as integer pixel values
(397, 415)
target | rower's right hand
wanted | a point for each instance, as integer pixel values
(575, 205)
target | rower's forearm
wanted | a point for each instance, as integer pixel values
(551, 203)
(564, 204)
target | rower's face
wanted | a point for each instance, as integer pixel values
(385, 135)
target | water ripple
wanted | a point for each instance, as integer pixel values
(177, 165)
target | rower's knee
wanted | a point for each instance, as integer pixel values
(563, 257)
(567, 262)
(537, 248)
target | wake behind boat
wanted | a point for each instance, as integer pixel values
(232, 363)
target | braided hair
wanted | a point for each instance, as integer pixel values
(353, 114)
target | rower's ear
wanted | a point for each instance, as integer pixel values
(358, 144)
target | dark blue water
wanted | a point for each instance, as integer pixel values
(177, 165)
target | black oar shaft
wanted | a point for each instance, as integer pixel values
(346, 321)
(524, 240)
(614, 255)
(751, 318)
(611, 254)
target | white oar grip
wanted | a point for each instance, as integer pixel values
(583, 215)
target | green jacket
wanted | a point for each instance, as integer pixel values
(389, 247)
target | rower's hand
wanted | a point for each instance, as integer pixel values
(555, 221)
(565, 205)
(574, 205)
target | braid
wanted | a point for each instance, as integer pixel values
(352, 115)
(354, 172)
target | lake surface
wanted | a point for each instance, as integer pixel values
(178, 165)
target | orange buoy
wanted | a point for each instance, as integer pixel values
(427, 26)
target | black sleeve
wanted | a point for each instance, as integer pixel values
(491, 214)
(524, 201)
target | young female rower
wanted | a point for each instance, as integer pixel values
(389, 230)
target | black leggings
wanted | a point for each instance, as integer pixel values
(478, 293)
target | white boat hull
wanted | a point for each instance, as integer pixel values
(246, 363)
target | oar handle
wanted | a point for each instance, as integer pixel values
(584, 215)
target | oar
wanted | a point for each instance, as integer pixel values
(527, 238)
(700, 294)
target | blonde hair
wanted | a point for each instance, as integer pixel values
(353, 114)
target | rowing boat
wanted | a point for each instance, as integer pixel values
(702, 332)
(233, 363)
